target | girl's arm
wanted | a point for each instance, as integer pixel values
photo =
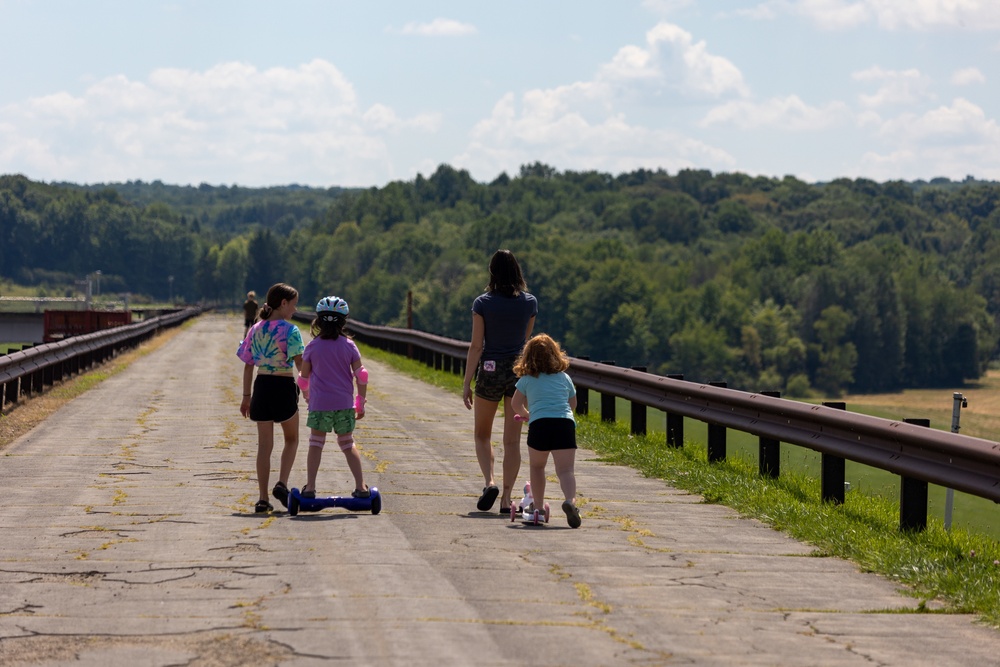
(531, 327)
(361, 379)
(519, 403)
(572, 402)
(305, 370)
(475, 354)
(247, 384)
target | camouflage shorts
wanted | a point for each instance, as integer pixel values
(495, 379)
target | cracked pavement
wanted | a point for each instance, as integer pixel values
(129, 538)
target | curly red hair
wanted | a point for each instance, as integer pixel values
(541, 355)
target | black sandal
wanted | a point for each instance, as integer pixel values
(489, 497)
(262, 507)
(361, 494)
(280, 491)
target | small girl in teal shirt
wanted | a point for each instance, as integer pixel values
(546, 397)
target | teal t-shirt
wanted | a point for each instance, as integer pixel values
(548, 395)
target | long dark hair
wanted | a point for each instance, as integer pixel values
(279, 292)
(328, 325)
(505, 274)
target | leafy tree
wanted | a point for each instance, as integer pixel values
(232, 271)
(836, 357)
(265, 261)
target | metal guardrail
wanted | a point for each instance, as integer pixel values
(918, 454)
(30, 370)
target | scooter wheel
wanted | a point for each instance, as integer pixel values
(376, 504)
(293, 505)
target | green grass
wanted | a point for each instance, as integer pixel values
(969, 512)
(959, 570)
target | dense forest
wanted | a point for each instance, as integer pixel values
(766, 283)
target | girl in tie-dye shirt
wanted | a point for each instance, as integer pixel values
(274, 346)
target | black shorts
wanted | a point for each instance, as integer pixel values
(550, 433)
(495, 378)
(275, 398)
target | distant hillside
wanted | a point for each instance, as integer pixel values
(766, 283)
(229, 209)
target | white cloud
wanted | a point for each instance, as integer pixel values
(962, 121)
(957, 139)
(514, 135)
(967, 76)
(673, 61)
(932, 14)
(278, 125)
(895, 87)
(785, 113)
(827, 14)
(581, 125)
(438, 28)
(887, 14)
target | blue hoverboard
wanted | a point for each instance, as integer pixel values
(297, 503)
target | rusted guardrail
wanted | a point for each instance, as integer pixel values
(918, 454)
(29, 371)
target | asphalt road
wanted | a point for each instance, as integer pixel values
(129, 538)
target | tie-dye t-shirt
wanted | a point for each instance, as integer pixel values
(271, 345)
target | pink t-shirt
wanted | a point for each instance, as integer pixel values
(331, 382)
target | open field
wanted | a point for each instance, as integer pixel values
(980, 419)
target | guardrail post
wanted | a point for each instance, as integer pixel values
(913, 495)
(770, 449)
(716, 435)
(638, 415)
(675, 423)
(582, 396)
(832, 469)
(607, 402)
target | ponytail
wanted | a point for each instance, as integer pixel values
(279, 292)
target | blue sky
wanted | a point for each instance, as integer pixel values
(361, 93)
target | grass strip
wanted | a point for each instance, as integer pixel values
(949, 572)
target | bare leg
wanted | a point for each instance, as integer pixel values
(290, 429)
(484, 411)
(313, 459)
(536, 473)
(511, 452)
(565, 460)
(353, 457)
(265, 443)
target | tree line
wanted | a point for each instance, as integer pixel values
(766, 283)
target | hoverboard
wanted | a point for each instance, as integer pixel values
(297, 503)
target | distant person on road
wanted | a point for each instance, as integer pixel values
(546, 397)
(502, 319)
(250, 308)
(331, 365)
(274, 346)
